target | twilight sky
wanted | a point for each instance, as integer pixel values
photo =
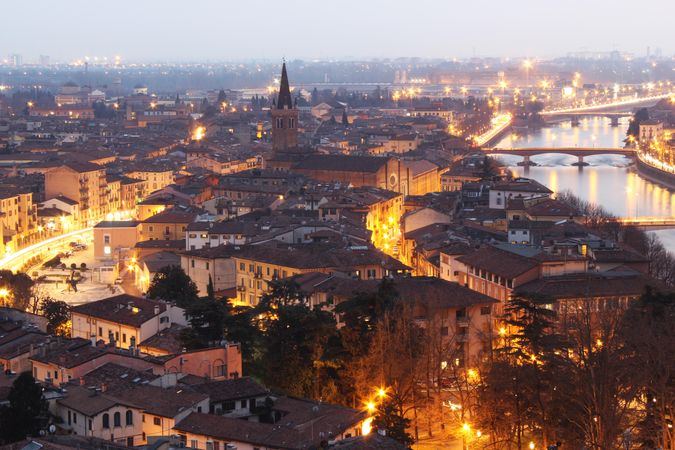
(217, 30)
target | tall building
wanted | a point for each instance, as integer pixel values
(285, 130)
(284, 117)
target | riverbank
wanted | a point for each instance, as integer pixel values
(654, 174)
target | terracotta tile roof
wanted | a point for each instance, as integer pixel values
(234, 389)
(125, 309)
(586, 285)
(342, 163)
(167, 340)
(309, 256)
(522, 185)
(304, 424)
(69, 353)
(83, 167)
(499, 262)
(170, 216)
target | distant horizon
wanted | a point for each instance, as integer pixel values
(34, 60)
(210, 31)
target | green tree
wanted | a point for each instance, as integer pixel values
(19, 289)
(210, 290)
(173, 284)
(207, 323)
(640, 116)
(650, 342)
(26, 412)
(389, 419)
(57, 313)
(293, 347)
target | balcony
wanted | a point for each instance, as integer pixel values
(241, 288)
(463, 322)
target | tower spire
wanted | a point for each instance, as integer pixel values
(284, 101)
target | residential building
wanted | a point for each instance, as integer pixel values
(82, 182)
(123, 320)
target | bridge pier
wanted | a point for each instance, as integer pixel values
(526, 162)
(580, 162)
(615, 121)
(575, 121)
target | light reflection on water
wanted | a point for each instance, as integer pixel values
(609, 181)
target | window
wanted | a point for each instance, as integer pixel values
(157, 421)
(129, 417)
(89, 426)
(244, 403)
(106, 421)
(242, 266)
(124, 337)
(117, 420)
(219, 370)
(100, 331)
(106, 239)
(194, 443)
(229, 406)
(69, 417)
(192, 263)
(207, 265)
(130, 441)
(74, 417)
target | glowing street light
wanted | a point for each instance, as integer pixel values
(527, 64)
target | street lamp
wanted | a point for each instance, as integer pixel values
(527, 64)
(4, 293)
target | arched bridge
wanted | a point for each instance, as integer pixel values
(579, 152)
(619, 106)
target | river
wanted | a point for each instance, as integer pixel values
(609, 180)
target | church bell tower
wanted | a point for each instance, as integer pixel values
(284, 117)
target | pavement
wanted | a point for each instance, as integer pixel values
(88, 290)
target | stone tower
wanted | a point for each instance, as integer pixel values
(284, 117)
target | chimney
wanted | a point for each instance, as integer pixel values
(92, 338)
(81, 381)
(157, 310)
(104, 387)
(130, 305)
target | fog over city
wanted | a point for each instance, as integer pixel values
(176, 30)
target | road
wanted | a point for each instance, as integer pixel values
(52, 245)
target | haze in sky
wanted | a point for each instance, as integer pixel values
(218, 30)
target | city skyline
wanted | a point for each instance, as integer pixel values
(211, 31)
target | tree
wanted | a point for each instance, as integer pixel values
(207, 323)
(396, 426)
(210, 290)
(650, 343)
(596, 386)
(19, 289)
(172, 283)
(293, 347)
(518, 390)
(640, 116)
(294, 342)
(26, 412)
(57, 313)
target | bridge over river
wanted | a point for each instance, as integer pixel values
(579, 152)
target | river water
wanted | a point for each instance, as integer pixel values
(609, 180)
